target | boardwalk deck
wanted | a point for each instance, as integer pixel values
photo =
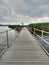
(24, 51)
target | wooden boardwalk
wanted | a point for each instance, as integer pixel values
(24, 51)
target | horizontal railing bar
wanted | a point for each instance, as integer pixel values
(6, 38)
(46, 37)
(30, 30)
(43, 48)
(42, 30)
(46, 32)
(9, 30)
(42, 39)
(4, 31)
(37, 29)
(3, 37)
(3, 41)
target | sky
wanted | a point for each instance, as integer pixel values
(26, 11)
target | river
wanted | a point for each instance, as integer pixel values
(3, 36)
(3, 28)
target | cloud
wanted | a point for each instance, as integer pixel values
(26, 10)
(32, 8)
(40, 20)
(18, 19)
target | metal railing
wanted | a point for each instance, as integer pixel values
(6, 38)
(43, 38)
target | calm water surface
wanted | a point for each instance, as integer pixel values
(3, 28)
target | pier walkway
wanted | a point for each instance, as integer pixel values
(25, 50)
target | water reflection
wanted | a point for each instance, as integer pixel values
(3, 37)
(3, 28)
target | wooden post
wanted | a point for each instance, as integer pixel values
(15, 34)
(42, 33)
(7, 38)
(34, 30)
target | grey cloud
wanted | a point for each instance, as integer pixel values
(32, 8)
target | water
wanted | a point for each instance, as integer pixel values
(43, 43)
(3, 37)
(3, 28)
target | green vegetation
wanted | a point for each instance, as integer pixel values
(41, 26)
(17, 27)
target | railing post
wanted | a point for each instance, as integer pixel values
(34, 30)
(42, 33)
(7, 37)
(15, 33)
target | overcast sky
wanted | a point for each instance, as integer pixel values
(27, 11)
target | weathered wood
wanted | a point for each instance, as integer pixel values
(25, 51)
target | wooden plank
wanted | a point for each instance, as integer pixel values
(25, 51)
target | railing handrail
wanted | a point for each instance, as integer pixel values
(42, 38)
(7, 39)
(38, 29)
(7, 35)
(41, 30)
(5, 31)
